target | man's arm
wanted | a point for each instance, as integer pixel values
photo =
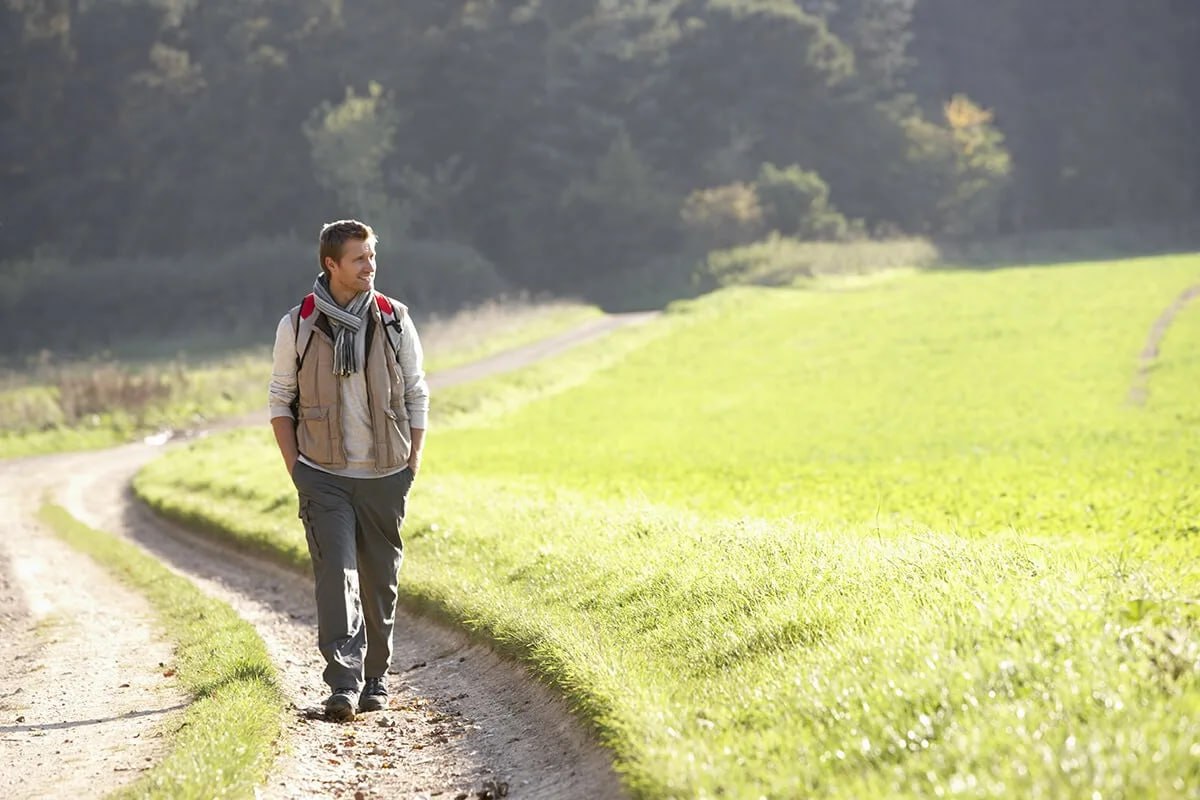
(416, 390)
(285, 437)
(283, 391)
(414, 455)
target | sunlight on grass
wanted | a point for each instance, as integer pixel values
(906, 539)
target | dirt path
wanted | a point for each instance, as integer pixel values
(463, 722)
(83, 699)
(1140, 390)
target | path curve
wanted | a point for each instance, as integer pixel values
(463, 721)
(85, 695)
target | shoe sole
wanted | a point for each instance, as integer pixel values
(340, 713)
(374, 704)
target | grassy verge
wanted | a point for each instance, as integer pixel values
(900, 538)
(227, 741)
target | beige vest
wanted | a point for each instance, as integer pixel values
(319, 415)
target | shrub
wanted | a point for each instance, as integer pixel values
(723, 216)
(796, 203)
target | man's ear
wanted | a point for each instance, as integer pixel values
(329, 263)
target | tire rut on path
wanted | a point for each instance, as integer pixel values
(1140, 390)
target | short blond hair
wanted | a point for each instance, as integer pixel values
(334, 236)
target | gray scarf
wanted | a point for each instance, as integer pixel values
(349, 326)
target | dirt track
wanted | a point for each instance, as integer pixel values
(83, 699)
(1139, 390)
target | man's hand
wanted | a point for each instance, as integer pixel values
(414, 453)
(285, 437)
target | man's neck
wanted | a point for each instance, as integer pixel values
(341, 296)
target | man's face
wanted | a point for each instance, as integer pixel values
(355, 271)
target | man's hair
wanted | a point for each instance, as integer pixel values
(334, 236)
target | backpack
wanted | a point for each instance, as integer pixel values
(302, 324)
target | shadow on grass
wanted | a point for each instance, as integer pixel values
(1045, 248)
(242, 672)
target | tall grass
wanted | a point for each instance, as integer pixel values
(901, 539)
(782, 261)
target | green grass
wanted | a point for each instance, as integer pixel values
(903, 538)
(227, 740)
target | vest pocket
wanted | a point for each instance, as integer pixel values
(313, 435)
(399, 436)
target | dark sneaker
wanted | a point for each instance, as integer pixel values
(340, 705)
(374, 695)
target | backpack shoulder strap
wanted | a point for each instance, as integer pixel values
(303, 320)
(392, 312)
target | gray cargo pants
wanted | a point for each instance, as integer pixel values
(353, 531)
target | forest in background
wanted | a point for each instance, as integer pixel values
(556, 145)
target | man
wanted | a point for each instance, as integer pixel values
(349, 403)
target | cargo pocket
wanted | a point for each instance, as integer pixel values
(313, 436)
(314, 547)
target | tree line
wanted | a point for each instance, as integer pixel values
(547, 144)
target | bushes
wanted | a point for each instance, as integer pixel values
(796, 203)
(723, 216)
(790, 201)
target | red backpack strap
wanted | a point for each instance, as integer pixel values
(302, 325)
(391, 313)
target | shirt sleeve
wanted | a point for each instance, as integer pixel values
(412, 367)
(282, 390)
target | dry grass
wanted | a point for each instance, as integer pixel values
(781, 261)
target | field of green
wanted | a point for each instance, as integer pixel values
(903, 537)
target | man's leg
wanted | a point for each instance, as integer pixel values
(328, 513)
(380, 504)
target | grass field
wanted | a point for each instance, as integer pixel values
(903, 537)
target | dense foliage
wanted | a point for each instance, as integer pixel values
(549, 144)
